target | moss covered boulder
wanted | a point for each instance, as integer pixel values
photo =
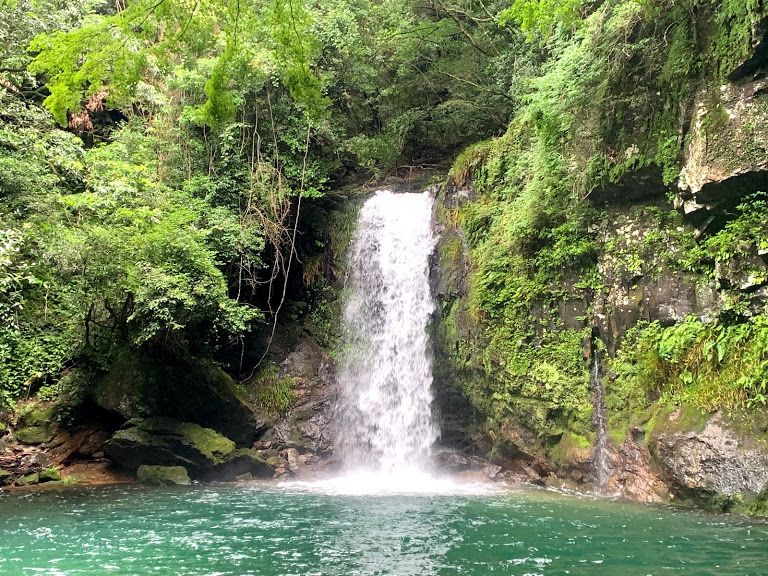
(163, 475)
(168, 442)
(139, 386)
(35, 424)
(29, 479)
(5, 477)
(49, 475)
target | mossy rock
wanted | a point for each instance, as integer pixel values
(29, 479)
(35, 423)
(5, 477)
(3, 428)
(139, 386)
(33, 435)
(168, 442)
(163, 475)
(49, 475)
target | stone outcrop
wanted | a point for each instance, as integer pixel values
(163, 475)
(35, 424)
(140, 387)
(168, 442)
(716, 460)
(727, 152)
(309, 423)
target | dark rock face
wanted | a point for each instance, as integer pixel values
(309, 423)
(637, 185)
(716, 460)
(241, 464)
(168, 442)
(139, 387)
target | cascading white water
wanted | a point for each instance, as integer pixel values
(385, 377)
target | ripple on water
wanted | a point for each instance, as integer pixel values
(240, 530)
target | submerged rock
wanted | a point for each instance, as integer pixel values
(168, 442)
(163, 475)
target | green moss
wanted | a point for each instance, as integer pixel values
(163, 475)
(29, 479)
(208, 442)
(270, 390)
(49, 475)
(5, 477)
(569, 450)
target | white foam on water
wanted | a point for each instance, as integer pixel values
(411, 482)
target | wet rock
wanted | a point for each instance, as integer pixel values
(492, 471)
(309, 422)
(452, 461)
(35, 460)
(292, 456)
(535, 478)
(35, 424)
(715, 460)
(239, 463)
(80, 443)
(163, 475)
(29, 479)
(633, 475)
(168, 442)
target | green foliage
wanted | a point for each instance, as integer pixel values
(706, 365)
(609, 101)
(537, 18)
(271, 391)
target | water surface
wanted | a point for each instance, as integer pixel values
(267, 530)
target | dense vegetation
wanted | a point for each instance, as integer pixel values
(170, 174)
(155, 156)
(605, 124)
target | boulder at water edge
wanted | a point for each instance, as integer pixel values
(163, 475)
(168, 442)
(35, 424)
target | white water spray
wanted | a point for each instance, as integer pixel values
(385, 424)
(385, 376)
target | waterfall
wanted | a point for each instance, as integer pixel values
(599, 461)
(385, 373)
